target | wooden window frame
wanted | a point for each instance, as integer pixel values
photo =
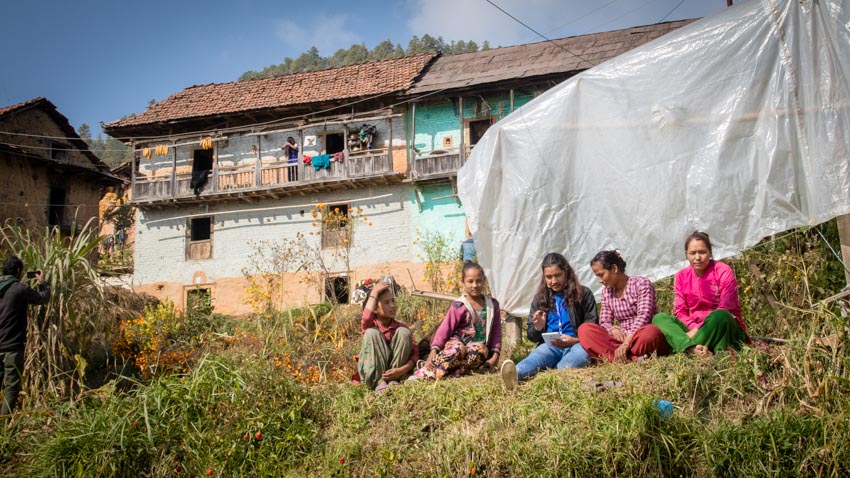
(199, 249)
(334, 237)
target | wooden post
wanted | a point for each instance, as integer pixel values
(174, 171)
(460, 115)
(512, 100)
(844, 237)
(512, 332)
(390, 143)
(411, 146)
(300, 155)
(215, 168)
(133, 169)
(258, 168)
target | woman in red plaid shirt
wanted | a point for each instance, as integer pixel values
(628, 301)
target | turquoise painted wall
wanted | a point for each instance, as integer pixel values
(444, 216)
(434, 121)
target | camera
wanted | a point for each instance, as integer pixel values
(30, 274)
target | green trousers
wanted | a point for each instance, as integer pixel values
(720, 331)
(10, 376)
(376, 357)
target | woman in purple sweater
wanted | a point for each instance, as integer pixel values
(471, 334)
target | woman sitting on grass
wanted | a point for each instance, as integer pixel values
(388, 353)
(471, 334)
(631, 302)
(560, 306)
(707, 313)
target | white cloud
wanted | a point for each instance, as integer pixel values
(478, 20)
(328, 34)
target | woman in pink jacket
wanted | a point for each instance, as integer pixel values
(471, 334)
(707, 313)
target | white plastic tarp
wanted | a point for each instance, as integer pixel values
(737, 124)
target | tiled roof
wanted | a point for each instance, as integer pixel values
(63, 123)
(361, 80)
(9, 109)
(536, 59)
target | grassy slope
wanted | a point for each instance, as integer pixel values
(779, 411)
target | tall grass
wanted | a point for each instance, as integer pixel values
(60, 331)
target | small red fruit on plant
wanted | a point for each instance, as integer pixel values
(342, 461)
(245, 437)
(178, 469)
(209, 472)
(258, 436)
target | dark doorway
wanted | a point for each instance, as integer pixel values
(56, 207)
(203, 160)
(198, 300)
(477, 129)
(334, 143)
(336, 289)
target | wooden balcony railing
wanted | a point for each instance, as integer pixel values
(172, 185)
(438, 164)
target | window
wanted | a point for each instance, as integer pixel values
(56, 206)
(59, 152)
(198, 300)
(334, 143)
(335, 226)
(477, 128)
(199, 231)
(336, 289)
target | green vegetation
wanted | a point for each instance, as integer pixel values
(358, 53)
(110, 150)
(769, 410)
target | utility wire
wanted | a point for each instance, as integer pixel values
(597, 27)
(536, 32)
(583, 16)
(671, 11)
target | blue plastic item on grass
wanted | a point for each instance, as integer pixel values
(665, 407)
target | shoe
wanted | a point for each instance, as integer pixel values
(509, 376)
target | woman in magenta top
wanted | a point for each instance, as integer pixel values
(707, 314)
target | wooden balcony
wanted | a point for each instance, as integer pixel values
(272, 179)
(438, 164)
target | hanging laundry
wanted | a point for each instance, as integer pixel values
(368, 133)
(338, 156)
(308, 159)
(322, 161)
(199, 180)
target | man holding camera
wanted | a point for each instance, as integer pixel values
(14, 299)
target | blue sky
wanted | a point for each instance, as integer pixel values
(100, 60)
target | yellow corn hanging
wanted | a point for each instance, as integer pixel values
(146, 152)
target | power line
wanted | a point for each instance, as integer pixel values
(536, 32)
(597, 27)
(583, 16)
(671, 11)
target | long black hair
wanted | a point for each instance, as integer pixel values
(544, 297)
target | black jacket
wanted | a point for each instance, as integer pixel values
(14, 299)
(585, 312)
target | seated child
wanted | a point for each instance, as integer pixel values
(388, 353)
(471, 334)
